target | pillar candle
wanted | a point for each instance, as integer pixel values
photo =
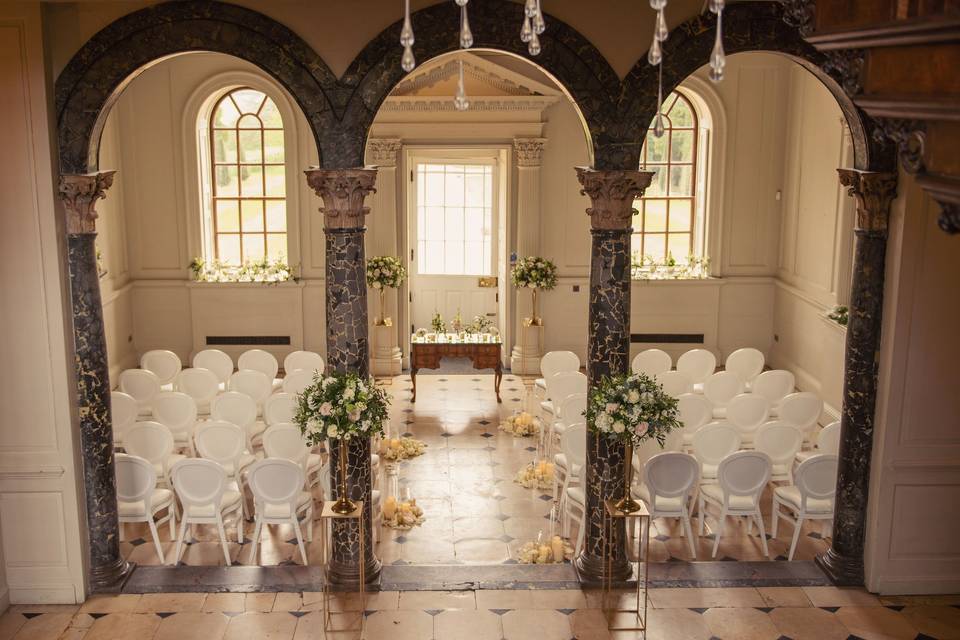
(556, 546)
(389, 507)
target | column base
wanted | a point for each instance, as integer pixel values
(386, 359)
(842, 571)
(525, 356)
(590, 569)
(110, 578)
(349, 575)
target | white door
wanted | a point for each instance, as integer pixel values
(453, 240)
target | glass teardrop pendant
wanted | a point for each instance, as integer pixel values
(406, 33)
(661, 31)
(655, 55)
(658, 127)
(530, 8)
(539, 26)
(462, 3)
(716, 6)
(718, 59)
(534, 46)
(460, 102)
(407, 62)
(526, 33)
(657, 5)
(466, 36)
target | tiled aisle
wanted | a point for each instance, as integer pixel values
(814, 613)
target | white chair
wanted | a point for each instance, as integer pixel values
(284, 440)
(207, 498)
(669, 480)
(781, 442)
(802, 410)
(570, 411)
(123, 413)
(143, 385)
(746, 363)
(559, 386)
(240, 409)
(828, 441)
(675, 383)
(253, 383)
(225, 443)
(165, 364)
(178, 412)
(201, 385)
(216, 361)
(154, 443)
(570, 462)
(811, 498)
(711, 444)
(303, 360)
(774, 385)
(297, 380)
(741, 477)
(652, 362)
(262, 361)
(698, 365)
(277, 487)
(279, 407)
(139, 499)
(747, 412)
(694, 411)
(720, 389)
(554, 362)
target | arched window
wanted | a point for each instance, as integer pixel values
(665, 223)
(248, 176)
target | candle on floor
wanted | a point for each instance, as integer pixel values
(394, 444)
(389, 507)
(556, 546)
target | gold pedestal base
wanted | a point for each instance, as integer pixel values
(616, 615)
(327, 515)
(343, 506)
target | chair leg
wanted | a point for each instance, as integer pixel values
(796, 536)
(296, 531)
(763, 534)
(156, 538)
(180, 538)
(310, 525)
(700, 511)
(688, 531)
(256, 539)
(223, 539)
(720, 527)
(581, 533)
(240, 525)
(775, 516)
(749, 526)
(173, 520)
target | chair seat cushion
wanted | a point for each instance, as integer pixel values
(791, 496)
(708, 470)
(804, 455)
(664, 505)
(560, 460)
(162, 498)
(740, 503)
(719, 412)
(547, 407)
(282, 509)
(374, 460)
(229, 499)
(780, 470)
(541, 383)
(698, 387)
(576, 495)
(314, 462)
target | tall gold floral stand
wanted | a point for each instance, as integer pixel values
(634, 616)
(327, 516)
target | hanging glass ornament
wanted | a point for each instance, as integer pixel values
(655, 55)
(534, 46)
(530, 8)
(661, 31)
(407, 62)
(406, 33)
(539, 26)
(460, 102)
(658, 128)
(466, 36)
(461, 3)
(526, 33)
(718, 59)
(657, 5)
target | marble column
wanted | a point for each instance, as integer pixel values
(612, 194)
(528, 347)
(79, 194)
(343, 192)
(843, 561)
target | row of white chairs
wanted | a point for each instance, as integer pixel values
(166, 364)
(699, 364)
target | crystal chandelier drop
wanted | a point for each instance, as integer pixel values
(460, 102)
(655, 57)
(718, 59)
(533, 26)
(407, 61)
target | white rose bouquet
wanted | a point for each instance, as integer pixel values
(631, 409)
(385, 272)
(341, 406)
(534, 273)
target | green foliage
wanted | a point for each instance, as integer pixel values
(534, 273)
(631, 409)
(341, 406)
(385, 272)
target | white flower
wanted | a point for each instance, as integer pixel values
(618, 427)
(332, 431)
(348, 393)
(354, 415)
(641, 429)
(612, 407)
(326, 409)
(377, 285)
(646, 397)
(633, 397)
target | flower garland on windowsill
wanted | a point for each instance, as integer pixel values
(646, 268)
(263, 271)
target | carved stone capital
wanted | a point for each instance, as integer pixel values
(79, 194)
(874, 191)
(529, 151)
(612, 194)
(343, 192)
(383, 151)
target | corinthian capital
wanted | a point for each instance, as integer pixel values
(612, 194)
(874, 191)
(343, 192)
(529, 151)
(79, 194)
(383, 151)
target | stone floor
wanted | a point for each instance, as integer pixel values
(475, 512)
(809, 613)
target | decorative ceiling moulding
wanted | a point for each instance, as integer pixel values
(899, 33)
(946, 191)
(477, 103)
(479, 69)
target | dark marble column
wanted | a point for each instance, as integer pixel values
(343, 192)
(612, 194)
(874, 192)
(79, 194)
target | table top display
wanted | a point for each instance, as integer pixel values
(455, 338)
(426, 351)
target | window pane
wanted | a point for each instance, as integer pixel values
(681, 115)
(681, 180)
(251, 181)
(273, 146)
(249, 122)
(474, 259)
(453, 227)
(680, 218)
(654, 245)
(276, 215)
(679, 246)
(453, 258)
(454, 189)
(657, 148)
(434, 224)
(253, 248)
(270, 115)
(474, 223)
(658, 186)
(276, 180)
(433, 190)
(656, 215)
(228, 248)
(226, 114)
(228, 216)
(224, 146)
(226, 184)
(251, 215)
(474, 195)
(248, 100)
(432, 256)
(250, 147)
(681, 146)
(276, 245)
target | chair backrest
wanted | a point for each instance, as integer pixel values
(694, 411)
(259, 360)
(779, 440)
(744, 473)
(652, 362)
(176, 410)
(746, 363)
(285, 441)
(123, 411)
(200, 384)
(828, 440)
(276, 481)
(297, 380)
(220, 441)
(215, 360)
(722, 387)
(747, 411)
(670, 474)
(715, 441)
(136, 479)
(774, 385)
(165, 364)
(697, 364)
(556, 361)
(143, 385)
(675, 383)
(308, 360)
(326, 485)
(235, 407)
(563, 384)
(279, 407)
(149, 440)
(573, 444)
(816, 477)
(255, 384)
(801, 409)
(573, 408)
(198, 483)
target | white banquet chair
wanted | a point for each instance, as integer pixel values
(154, 443)
(139, 499)
(570, 461)
(207, 498)
(554, 362)
(698, 365)
(559, 386)
(262, 361)
(216, 361)
(747, 412)
(741, 478)
(669, 479)
(774, 385)
(225, 443)
(570, 411)
(652, 362)
(802, 410)
(781, 442)
(253, 383)
(297, 380)
(123, 413)
(308, 360)
(711, 444)
(720, 389)
(675, 383)
(828, 441)
(143, 386)
(694, 411)
(746, 363)
(164, 363)
(178, 412)
(201, 385)
(279, 407)
(810, 498)
(284, 440)
(279, 498)
(241, 410)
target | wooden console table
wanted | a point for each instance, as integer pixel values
(427, 355)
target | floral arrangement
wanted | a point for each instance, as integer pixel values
(631, 409)
(534, 273)
(401, 448)
(536, 552)
(537, 475)
(402, 515)
(263, 270)
(437, 324)
(646, 268)
(480, 324)
(840, 314)
(456, 325)
(385, 272)
(521, 425)
(341, 406)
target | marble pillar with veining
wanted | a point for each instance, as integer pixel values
(874, 192)
(79, 194)
(612, 194)
(344, 192)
